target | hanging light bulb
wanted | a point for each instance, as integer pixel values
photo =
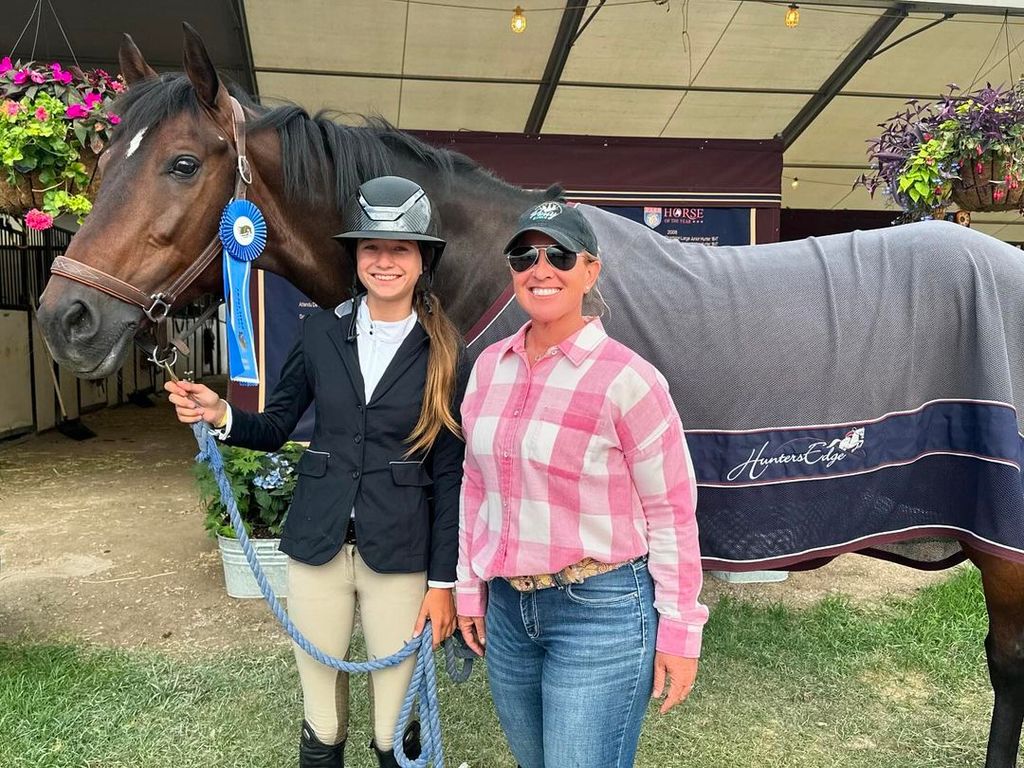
(795, 182)
(792, 15)
(518, 21)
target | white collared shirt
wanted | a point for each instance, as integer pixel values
(378, 343)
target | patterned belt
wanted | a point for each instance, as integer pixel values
(571, 574)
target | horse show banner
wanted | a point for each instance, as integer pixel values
(706, 226)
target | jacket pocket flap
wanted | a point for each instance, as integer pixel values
(409, 473)
(312, 463)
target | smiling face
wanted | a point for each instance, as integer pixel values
(553, 298)
(389, 270)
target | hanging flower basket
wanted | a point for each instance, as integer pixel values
(54, 122)
(987, 184)
(27, 190)
(967, 149)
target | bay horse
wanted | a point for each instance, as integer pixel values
(175, 161)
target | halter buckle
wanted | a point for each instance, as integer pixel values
(244, 170)
(163, 362)
(159, 309)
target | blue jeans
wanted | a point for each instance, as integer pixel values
(571, 669)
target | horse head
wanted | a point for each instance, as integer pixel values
(166, 174)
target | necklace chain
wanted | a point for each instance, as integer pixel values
(539, 355)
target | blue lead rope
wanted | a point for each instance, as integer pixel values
(422, 687)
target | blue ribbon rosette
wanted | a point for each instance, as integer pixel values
(243, 233)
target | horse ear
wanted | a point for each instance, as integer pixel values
(554, 192)
(133, 64)
(200, 70)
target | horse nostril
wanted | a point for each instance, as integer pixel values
(78, 321)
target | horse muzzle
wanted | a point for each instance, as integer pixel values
(86, 330)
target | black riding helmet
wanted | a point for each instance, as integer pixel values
(392, 208)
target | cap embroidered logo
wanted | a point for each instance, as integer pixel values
(545, 211)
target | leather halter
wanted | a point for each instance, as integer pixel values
(158, 305)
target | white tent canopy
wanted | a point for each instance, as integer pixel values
(670, 68)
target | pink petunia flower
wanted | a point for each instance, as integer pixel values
(20, 76)
(76, 112)
(113, 119)
(41, 114)
(117, 85)
(11, 108)
(5, 65)
(36, 219)
(60, 75)
(92, 99)
(36, 77)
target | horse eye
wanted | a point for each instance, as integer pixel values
(185, 166)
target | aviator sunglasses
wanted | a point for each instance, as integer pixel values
(522, 257)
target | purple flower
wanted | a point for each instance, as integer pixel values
(60, 75)
(23, 75)
(92, 99)
(5, 65)
(113, 119)
(76, 112)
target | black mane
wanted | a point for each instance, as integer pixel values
(311, 146)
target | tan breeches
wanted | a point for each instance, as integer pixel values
(322, 604)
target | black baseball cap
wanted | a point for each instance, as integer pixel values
(564, 223)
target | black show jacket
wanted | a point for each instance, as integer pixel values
(407, 509)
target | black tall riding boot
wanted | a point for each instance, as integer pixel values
(313, 753)
(410, 742)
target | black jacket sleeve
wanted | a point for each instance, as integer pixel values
(269, 430)
(446, 464)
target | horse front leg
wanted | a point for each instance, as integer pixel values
(1004, 647)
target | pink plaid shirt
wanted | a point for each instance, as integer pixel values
(581, 456)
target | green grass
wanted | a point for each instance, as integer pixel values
(834, 685)
(903, 685)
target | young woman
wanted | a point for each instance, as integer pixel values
(578, 562)
(381, 371)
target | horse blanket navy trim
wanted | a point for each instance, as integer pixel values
(857, 392)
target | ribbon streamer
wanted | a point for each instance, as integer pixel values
(243, 233)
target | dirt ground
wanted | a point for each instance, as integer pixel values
(102, 542)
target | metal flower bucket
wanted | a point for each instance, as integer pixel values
(238, 576)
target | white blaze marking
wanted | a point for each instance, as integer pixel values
(135, 142)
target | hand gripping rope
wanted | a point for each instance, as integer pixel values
(423, 685)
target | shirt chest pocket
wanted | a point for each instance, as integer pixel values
(564, 440)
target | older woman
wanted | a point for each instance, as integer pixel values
(579, 569)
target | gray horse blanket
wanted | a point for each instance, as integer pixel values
(856, 392)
